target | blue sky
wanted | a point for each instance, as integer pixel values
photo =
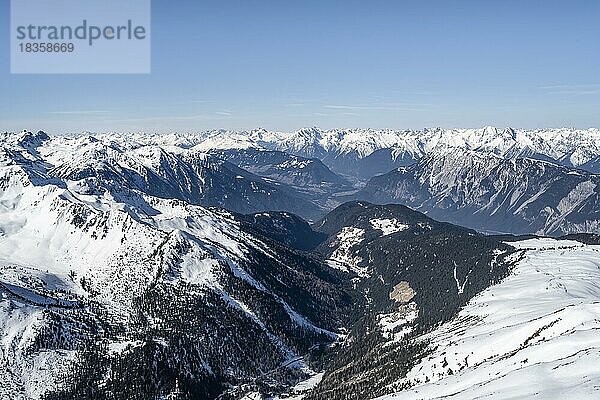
(290, 64)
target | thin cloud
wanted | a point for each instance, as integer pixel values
(347, 114)
(294, 105)
(573, 90)
(202, 101)
(344, 107)
(396, 94)
(78, 112)
(416, 93)
(390, 107)
(170, 118)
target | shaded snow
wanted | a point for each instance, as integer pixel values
(299, 391)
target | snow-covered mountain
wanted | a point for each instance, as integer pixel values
(103, 284)
(296, 171)
(124, 167)
(118, 281)
(367, 152)
(111, 288)
(305, 175)
(414, 274)
(493, 194)
(535, 335)
(506, 181)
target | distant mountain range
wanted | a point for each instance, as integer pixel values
(366, 152)
(92, 166)
(493, 194)
(308, 176)
(499, 181)
(496, 181)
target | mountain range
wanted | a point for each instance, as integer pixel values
(367, 152)
(499, 181)
(493, 194)
(256, 265)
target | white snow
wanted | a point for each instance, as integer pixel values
(197, 268)
(389, 323)
(572, 146)
(309, 383)
(388, 226)
(343, 256)
(535, 332)
(460, 287)
(62, 241)
(120, 347)
(299, 391)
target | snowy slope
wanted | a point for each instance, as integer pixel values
(414, 274)
(535, 335)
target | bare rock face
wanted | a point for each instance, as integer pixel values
(402, 293)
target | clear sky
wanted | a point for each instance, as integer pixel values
(289, 64)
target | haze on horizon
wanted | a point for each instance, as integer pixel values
(378, 64)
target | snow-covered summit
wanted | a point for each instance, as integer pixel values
(356, 151)
(573, 147)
